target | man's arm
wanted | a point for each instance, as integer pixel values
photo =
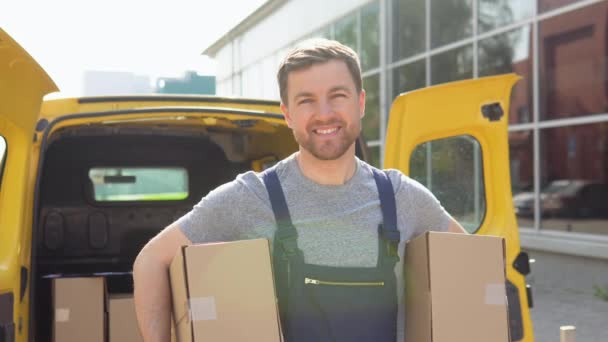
(455, 227)
(151, 283)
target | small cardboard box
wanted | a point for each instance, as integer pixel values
(455, 288)
(122, 320)
(224, 292)
(79, 309)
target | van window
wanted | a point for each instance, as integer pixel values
(135, 184)
(452, 169)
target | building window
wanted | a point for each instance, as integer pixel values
(409, 22)
(345, 31)
(452, 65)
(573, 64)
(574, 178)
(494, 14)
(547, 5)
(370, 36)
(522, 176)
(409, 77)
(371, 120)
(505, 53)
(374, 155)
(451, 21)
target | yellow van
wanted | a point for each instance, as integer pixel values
(85, 182)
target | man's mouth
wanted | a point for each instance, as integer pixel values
(326, 131)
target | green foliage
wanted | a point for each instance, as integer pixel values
(601, 292)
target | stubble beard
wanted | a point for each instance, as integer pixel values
(329, 149)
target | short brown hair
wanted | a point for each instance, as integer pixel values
(317, 51)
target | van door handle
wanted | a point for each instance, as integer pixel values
(24, 277)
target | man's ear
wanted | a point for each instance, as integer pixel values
(286, 114)
(362, 103)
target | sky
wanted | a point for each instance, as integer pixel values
(154, 38)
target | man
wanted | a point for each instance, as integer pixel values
(330, 215)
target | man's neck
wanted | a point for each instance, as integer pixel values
(327, 172)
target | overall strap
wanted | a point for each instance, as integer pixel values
(285, 243)
(388, 229)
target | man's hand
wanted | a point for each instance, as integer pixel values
(151, 284)
(455, 227)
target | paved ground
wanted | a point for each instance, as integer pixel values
(563, 295)
(555, 307)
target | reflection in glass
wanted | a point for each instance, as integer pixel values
(370, 36)
(574, 187)
(409, 28)
(452, 21)
(522, 176)
(371, 120)
(374, 156)
(497, 13)
(409, 77)
(345, 31)
(573, 64)
(451, 169)
(547, 5)
(506, 53)
(452, 65)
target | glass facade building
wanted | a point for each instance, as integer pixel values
(558, 122)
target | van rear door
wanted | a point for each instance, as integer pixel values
(23, 83)
(453, 139)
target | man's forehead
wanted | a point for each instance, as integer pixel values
(330, 74)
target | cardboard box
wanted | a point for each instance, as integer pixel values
(224, 292)
(455, 288)
(122, 320)
(79, 309)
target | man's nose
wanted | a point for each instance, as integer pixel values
(326, 108)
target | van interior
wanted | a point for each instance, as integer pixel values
(91, 214)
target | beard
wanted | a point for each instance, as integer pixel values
(329, 149)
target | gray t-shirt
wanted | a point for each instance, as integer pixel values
(337, 224)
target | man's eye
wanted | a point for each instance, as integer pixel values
(339, 95)
(305, 101)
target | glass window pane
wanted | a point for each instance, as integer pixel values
(371, 120)
(573, 63)
(322, 33)
(574, 162)
(522, 176)
(374, 156)
(451, 169)
(345, 31)
(409, 77)
(453, 65)
(409, 28)
(452, 21)
(370, 36)
(496, 13)
(117, 184)
(547, 5)
(510, 52)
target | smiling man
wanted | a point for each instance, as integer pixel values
(338, 225)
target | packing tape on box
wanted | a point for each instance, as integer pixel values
(62, 315)
(495, 294)
(202, 309)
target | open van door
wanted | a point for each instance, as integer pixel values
(23, 83)
(453, 139)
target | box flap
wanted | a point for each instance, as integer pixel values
(179, 295)
(480, 261)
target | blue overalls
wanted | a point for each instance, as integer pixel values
(324, 303)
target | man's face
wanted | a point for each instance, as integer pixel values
(324, 109)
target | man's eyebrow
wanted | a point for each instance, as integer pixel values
(340, 88)
(303, 94)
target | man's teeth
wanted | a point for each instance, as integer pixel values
(327, 131)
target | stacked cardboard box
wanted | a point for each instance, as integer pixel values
(83, 311)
